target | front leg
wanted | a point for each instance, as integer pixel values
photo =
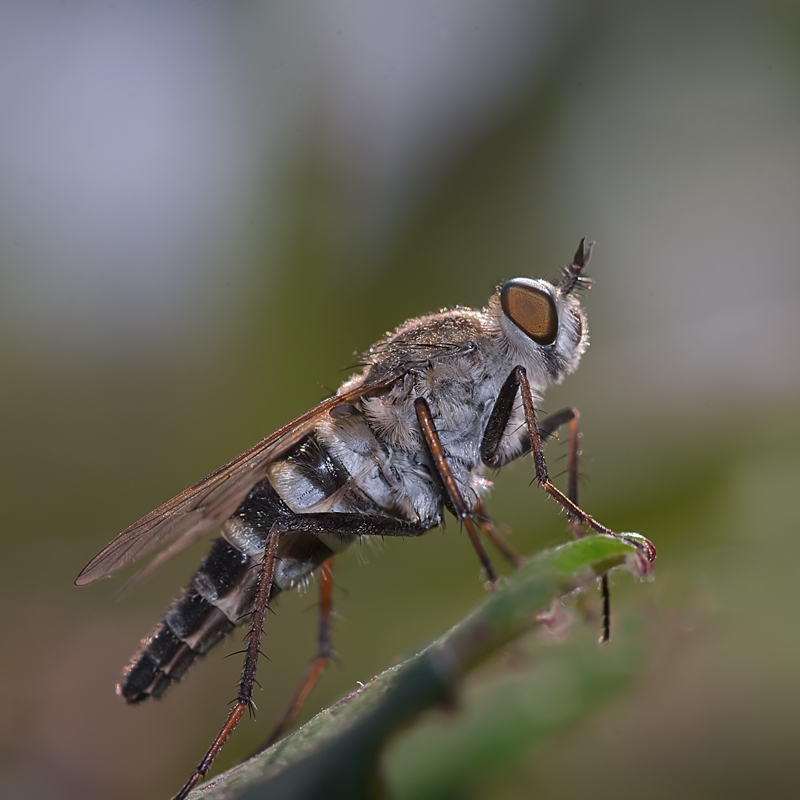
(547, 428)
(490, 446)
(520, 445)
(574, 511)
(499, 418)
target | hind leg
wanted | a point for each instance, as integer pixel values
(244, 699)
(317, 666)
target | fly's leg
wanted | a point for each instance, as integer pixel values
(463, 512)
(605, 593)
(333, 523)
(539, 432)
(494, 536)
(573, 510)
(490, 445)
(573, 418)
(330, 523)
(245, 697)
(317, 666)
(547, 428)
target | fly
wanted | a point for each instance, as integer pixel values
(439, 401)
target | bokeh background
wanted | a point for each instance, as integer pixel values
(207, 208)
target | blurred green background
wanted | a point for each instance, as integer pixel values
(207, 208)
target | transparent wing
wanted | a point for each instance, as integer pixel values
(202, 507)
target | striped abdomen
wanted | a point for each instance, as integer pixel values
(219, 596)
(193, 625)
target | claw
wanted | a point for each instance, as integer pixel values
(642, 562)
(642, 543)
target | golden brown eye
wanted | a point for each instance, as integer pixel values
(531, 309)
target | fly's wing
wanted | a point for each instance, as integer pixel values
(202, 507)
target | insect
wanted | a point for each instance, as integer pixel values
(439, 401)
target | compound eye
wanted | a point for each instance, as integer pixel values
(531, 309)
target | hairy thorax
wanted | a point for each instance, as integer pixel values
(457, 361)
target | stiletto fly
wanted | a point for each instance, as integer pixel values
(439, 401)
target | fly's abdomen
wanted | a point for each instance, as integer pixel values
(210, 607)
(220, 595)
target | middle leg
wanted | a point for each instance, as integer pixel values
(496, 538)
(464, 513)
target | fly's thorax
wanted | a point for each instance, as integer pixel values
(378, 439)
(460, 391)
(457, 361)
(539, 327)
(386, 465)
(390, 414)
